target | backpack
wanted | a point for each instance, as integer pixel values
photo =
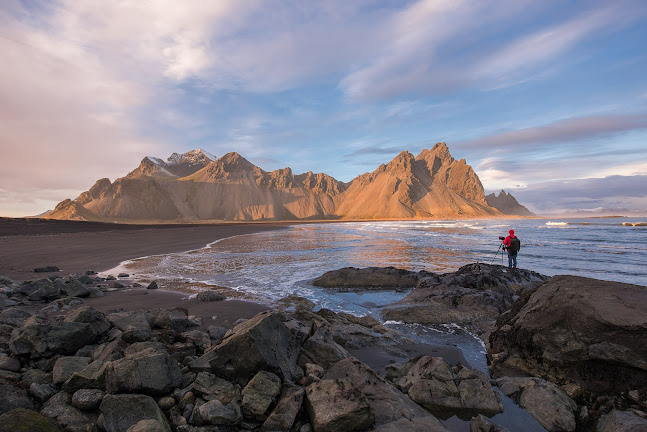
(515, 245)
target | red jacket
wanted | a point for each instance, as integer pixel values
(507, 240)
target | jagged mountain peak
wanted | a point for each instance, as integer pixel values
(439, 151)
(233, 160)
(193, 156)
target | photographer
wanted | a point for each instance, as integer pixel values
(512, 244)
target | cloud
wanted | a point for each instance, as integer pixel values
(609, 192)
(562, 131)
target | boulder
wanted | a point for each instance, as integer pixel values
(152, 285)
(122, 411)
(210, 296)
(388, 405)
(13, 397)
(472, 297)
(62, 304)
(199, 339)
(32, 286)
(46, 269)
(286, 410)
(210, 387)
(10, 364)
(134, 335)
(148, 372)
(96, 319)
(321, 349)
(59, 408)
(337, 405)
(259, 394)
(42, 337)
(141, 346)
(216, 333)
(123, 320)
(14, 317)
(5, 301)
(74, 288)
(261, 343)
(576, 330)
(46, 292)
(480, 423)
(367, 278)
(21, 419)
(543, 400)
(622, 421)
(216, 413)
(65, 367)
(174, 318)
(87, 399)
(109, 351)
(147, 426)
(41, 392)
(93, 376)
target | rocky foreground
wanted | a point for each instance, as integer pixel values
(571, 351)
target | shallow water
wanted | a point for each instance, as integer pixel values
(273, 264)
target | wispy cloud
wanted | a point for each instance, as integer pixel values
(562, 131)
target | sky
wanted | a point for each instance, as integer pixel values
(545, 99)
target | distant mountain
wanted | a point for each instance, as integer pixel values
(197, 186)
(507, 204)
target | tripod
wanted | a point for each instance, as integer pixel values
(497, 252)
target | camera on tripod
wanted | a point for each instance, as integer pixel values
(501, 238)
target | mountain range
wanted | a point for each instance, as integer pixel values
(197, 186)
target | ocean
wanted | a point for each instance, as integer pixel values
(270, 265)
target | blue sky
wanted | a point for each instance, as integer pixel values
(545, 99)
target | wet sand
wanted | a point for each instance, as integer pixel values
(74, 247)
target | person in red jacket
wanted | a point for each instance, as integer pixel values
(512, 244)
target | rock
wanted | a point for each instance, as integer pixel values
(372, 277)
(86, 279)
(123, 275)
(74, 288)
(87, 399)
(29, 287)
(473, 297)
(429, 381)
(134, 335)
(388, 405)
(21, 419)
(123, 320)
(10, 364)
(6, 302)
(590, 336)
(622, 421)
(92, 376)
(321, 349)
(148, 371)
(41, 392)
(62, 304)
(122, 411)
(261, 343)
(109, 351)
(14, 317)
(110, 278)
(46, 292)
(65, 367)
(96, 319)
(37, 376)
(43, 337)
(216, 333)
(480, 423)
(174, 318)
(147, 426)
(96, 292)
(13, 397)
(152, 285)
(259, 394)
(47, 269)
(210, 296)
(141, 346)
(215, 413)
(543, 400)
(337, 405)
(59, 409)
(199, 339)
(286, 410)
(210, 387)
(166, 403)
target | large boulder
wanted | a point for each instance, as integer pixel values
(122, 411)
(211, 387)
(388, 404)
(216, 413)
(338, 405)
(286, 410)
(124, 320)
(622, 421)
(473, 297)
(176, 318)
(259, 394)
(65, 367)
(42, 337)
(321, 349)
(26, 420)
(576, 330)
(261, 343)
(96, 319)
(148, 372)
(350, 278)
(14, 317)
(543, 400)
(74, 288)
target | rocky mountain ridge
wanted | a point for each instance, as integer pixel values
(507, 204)
(196, 186)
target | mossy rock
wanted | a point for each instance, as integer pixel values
(24, 420)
